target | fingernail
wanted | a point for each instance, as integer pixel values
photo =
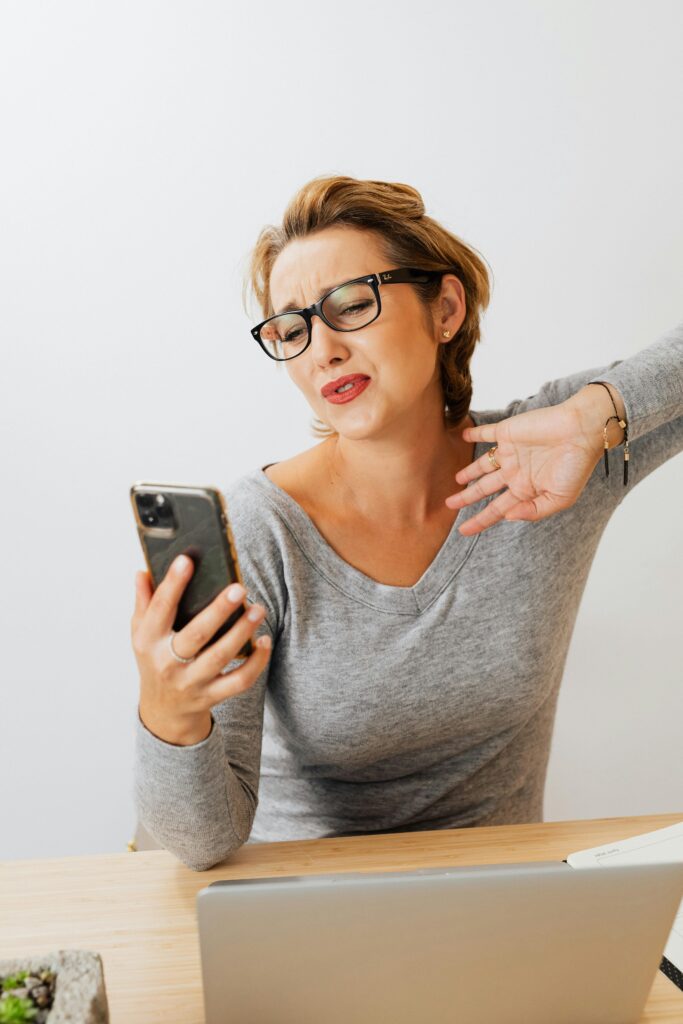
(181, 563)
(235, 592)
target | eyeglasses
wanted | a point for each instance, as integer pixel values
(348, 307)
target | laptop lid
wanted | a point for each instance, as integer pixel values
(506, 943)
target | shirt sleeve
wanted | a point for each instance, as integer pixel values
(199, 801)
(651, 386)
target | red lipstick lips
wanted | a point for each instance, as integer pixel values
(355, 387)
(331, 387)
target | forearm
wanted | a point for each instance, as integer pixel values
(190, 798)
(647, 389)
(649, 382)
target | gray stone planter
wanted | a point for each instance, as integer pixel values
(80, 994)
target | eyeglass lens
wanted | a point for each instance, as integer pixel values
(347, 308)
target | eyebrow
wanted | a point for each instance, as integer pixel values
(291, 306)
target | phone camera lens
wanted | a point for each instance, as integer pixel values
(155, 509)
(164, 509)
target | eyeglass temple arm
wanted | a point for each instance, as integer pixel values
(406, 276)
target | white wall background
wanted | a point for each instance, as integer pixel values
(144, 144)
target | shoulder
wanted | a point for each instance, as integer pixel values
(246, 498)
(287, 474)
(301, 477)
(258, 512)
(258, 538)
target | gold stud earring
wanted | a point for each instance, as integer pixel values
(446, 334)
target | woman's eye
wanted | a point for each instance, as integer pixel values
(294, 335)
(357, 307)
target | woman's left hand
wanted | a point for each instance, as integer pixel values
(546, 457)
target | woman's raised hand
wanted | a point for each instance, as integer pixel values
(546, 457)
(176, 699)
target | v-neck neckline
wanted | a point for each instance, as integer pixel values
(447, 562)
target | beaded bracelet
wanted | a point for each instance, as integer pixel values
(622, 424)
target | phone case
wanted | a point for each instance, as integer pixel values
(200, 529)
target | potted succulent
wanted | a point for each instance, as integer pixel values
(65, 986)
(23, 995)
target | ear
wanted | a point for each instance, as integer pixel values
(452, 307)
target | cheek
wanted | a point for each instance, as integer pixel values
(394, 353)
(305, 383)
(409, 363)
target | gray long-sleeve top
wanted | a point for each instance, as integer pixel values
(392, 709)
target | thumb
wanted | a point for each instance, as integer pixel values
(540, 507)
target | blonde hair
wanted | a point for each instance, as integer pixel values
(409, 238)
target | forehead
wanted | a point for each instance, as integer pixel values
(308, 266)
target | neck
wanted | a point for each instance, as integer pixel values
(399, 483)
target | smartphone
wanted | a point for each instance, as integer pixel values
(174, 519)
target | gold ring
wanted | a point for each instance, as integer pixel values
(492, 456)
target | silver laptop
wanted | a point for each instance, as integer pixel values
(532, 943)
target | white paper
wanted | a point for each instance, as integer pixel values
(665, 844)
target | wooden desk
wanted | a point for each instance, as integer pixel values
(137, 910)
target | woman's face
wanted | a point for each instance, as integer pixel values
(398, 351)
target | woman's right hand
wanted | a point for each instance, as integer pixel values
(176, 699)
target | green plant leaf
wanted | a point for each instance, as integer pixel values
(14, 980)
(14, 1010)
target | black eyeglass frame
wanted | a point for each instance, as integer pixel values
(401, 275)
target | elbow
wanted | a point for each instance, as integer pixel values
(204, 866)
(208, 862)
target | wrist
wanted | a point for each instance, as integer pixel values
(594, 409)
(178, 733)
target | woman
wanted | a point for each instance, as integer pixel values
(420, 568)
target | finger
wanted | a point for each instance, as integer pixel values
(162, 608)
(241, 678)
(476, 469)
(540, 507)
(199, 630)
(485, 432)
(482, 488)
(143, 595)
(224, 650)
(493, 513)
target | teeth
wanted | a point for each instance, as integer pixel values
(345, 387)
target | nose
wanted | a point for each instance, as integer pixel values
(324, 339)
